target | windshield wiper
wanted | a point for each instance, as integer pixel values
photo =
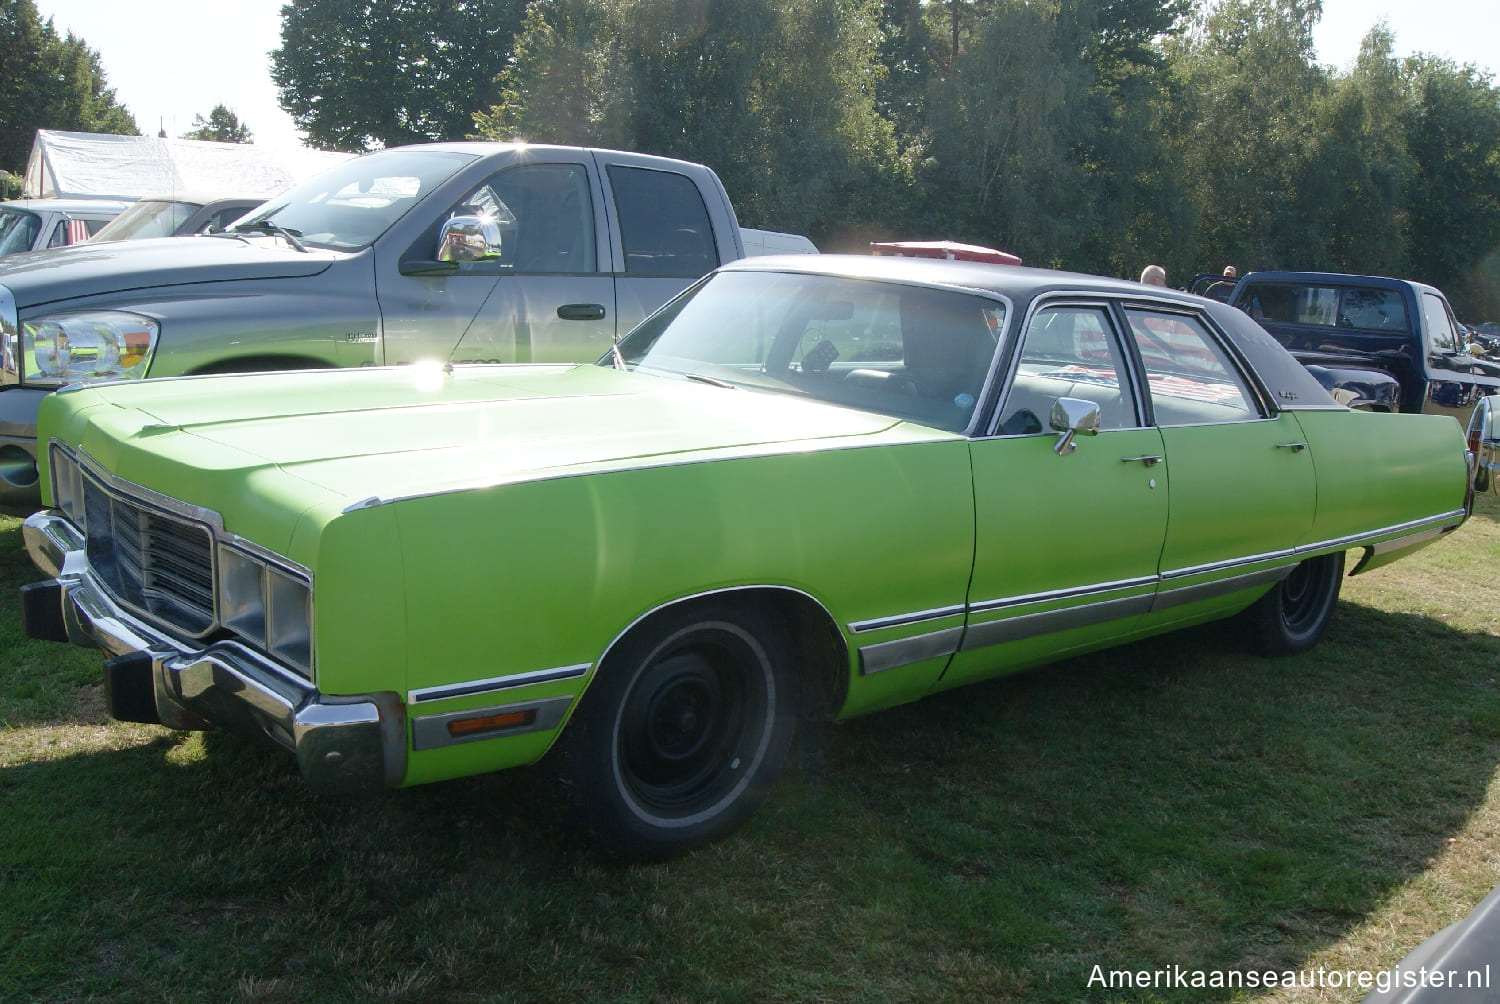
(711, 381)
(274, 229)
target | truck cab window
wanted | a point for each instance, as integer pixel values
(546, 217)
(663, 223)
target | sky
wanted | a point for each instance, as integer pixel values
(170, 60)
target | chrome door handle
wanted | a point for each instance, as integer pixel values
(1294, 447)
(1148, 459)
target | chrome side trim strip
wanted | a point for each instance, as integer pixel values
(431, 732)
(495, 684)
(902, 620)
(1440, 521)
(1223, 566)
(1166, 599)
(1049, 621)
(905, 651)
(1061, 594)
(1402, 543)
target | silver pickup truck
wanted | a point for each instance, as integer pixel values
(459, 252)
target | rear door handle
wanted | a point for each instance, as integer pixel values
(1294, 447)
(1149, 460)
(581, 312)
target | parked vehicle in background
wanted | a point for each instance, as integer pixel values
(949, 250)
(809, 486)
(38, 224)
(764, 242)
(177, 216)
(1383, 344)
(1484, 443)
(457, 252)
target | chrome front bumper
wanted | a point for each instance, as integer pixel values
(341, 743)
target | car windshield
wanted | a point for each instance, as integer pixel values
(18, 230)
(348, 207)
(911, 352)
(147, 218)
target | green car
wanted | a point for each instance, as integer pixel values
(810, 486)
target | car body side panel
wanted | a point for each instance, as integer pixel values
(546, 575)
(1377, 470)
(1239, 489)
(1035, 590)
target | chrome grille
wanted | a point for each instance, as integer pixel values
(158, 563)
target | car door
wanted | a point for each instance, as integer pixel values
(1067, 546)
(548, 297)
(1455, 379)
(1241, 476)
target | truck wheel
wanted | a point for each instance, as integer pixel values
(1293, 615)
(681, 735)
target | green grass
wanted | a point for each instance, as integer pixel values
(1172, 803)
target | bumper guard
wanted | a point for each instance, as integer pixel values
(342, 744)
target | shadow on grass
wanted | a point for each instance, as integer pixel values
(1170, 803)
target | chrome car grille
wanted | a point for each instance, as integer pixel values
(156, 562)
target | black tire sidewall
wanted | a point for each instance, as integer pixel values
(599, 793)
(1275, 635)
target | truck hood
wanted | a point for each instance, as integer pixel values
(41, 277)
(243, 445)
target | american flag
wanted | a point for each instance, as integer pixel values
(78, 231)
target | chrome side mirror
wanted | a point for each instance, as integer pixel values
(1072, 416)
(469, 238)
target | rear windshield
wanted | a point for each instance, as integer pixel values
(1361, 307)
(148, 218)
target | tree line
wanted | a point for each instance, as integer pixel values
(1094, 135)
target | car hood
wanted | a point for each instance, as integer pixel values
(246, 445)
(40, 277)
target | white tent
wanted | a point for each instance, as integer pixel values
(101, 166)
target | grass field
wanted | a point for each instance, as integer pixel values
(1175, 803)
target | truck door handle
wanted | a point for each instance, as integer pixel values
(1294, 447)
(1149, 460)
(581, 312)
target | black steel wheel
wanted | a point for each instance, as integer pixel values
(678, 739)
(1294, 614)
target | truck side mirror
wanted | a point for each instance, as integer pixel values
(469, 238)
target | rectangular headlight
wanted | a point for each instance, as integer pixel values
(67, 487)
(289, 620)
(266, 606)
(242, 595)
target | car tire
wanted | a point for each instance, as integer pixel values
(678, 739)
(1293, 615)
(1481, 479)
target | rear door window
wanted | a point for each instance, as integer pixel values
(664, 224)
(1191, 378)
